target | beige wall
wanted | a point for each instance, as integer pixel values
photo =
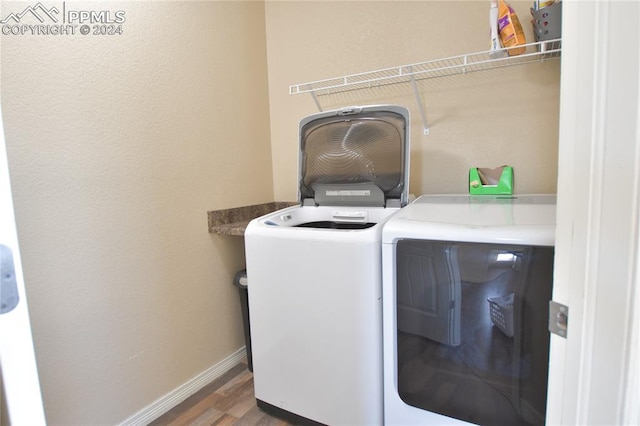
(118, 146)
(486, 119)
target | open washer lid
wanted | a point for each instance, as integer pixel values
(356, 156)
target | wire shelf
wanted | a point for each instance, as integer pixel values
(479, 61)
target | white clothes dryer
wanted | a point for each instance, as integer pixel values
(467, 282)
(314, 270)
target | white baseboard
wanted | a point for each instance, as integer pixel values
(184, 391)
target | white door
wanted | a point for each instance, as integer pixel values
(17, 359)
(594, 376)
(429, 291)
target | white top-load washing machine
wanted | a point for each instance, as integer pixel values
(314, 270)
(467, 282)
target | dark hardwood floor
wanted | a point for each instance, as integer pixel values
(228, 400)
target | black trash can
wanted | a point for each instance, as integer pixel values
(241, 282)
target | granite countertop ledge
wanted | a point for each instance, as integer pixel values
(234, 221)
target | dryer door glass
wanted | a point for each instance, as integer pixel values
(472, 339)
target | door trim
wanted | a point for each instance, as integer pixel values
(596, 264)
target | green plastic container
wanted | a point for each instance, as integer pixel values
(503, 187)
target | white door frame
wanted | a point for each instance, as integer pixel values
(17, 358)
(594, 376)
